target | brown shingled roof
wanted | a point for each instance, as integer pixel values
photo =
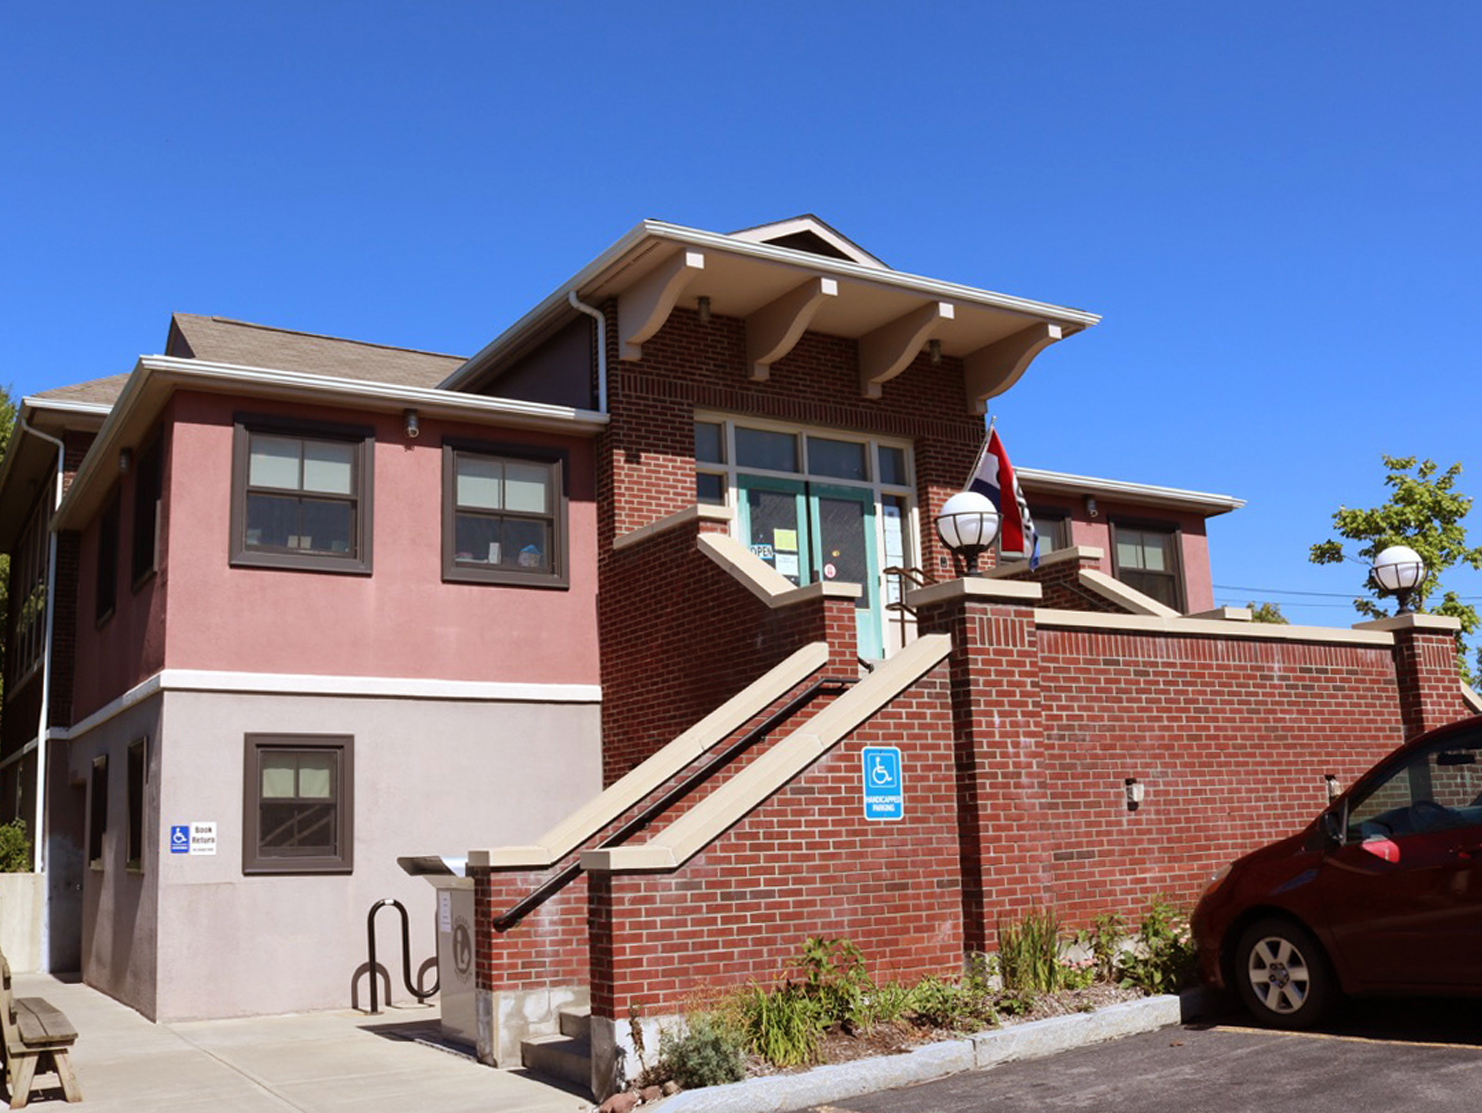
(224, 341)
(102, 391)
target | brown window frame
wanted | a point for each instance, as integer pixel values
(30, 562)
(97, 811)
(144, 545)
(254, 860)
(363, 437)
(105, 582)
(1174, 532)
(137, 777)
(556, 461)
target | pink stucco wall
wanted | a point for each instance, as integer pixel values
(402, 621)
(1193, 546)
(128, 647)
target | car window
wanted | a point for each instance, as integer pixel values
(1437, 789)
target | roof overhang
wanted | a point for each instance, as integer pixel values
(1061, 483)
(155, 378)
(30, 460)
(780, 292)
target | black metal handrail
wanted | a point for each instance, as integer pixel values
(406, 955)
(558, 881)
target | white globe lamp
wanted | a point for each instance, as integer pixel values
(1399, 571)
(967, 525)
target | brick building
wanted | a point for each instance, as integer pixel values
(629, 599)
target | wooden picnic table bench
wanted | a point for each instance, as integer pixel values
(37, 1038)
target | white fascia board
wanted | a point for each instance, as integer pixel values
(204, 374)
(68, 406)
(1134, 492)
(659, 230)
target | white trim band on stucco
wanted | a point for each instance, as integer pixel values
(345, 687)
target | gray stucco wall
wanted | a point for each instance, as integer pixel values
(431, 776)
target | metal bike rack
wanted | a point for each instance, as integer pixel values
(406, 955)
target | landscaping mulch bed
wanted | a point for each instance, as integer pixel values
(840, 1046)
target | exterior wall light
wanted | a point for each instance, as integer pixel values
(125, 460)
(1135, 790)
(967, 525)
(1399, 571)
(413, 425)
(934, 350)
(704, 306)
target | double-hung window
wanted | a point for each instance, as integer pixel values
(1147, 560)
(297, 807)
(504, 515)
(301, 496)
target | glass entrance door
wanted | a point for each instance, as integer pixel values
(843, 543)
(774, 524)
(813, 531)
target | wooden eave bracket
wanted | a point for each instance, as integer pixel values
(643, 310)
(889, 350)
(993, 369)
(774, 329)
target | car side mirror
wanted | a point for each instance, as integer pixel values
(1332, 825)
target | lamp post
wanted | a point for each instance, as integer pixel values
(1399, 571)
(967, 525)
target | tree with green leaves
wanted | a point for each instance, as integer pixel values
(7, 420)
(1267, 612)
(1424, 511)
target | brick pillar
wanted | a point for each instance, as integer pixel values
(1425, 669)
(999, 733)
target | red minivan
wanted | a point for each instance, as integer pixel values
(1381, 894)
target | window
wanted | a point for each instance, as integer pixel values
(137, 776)
(297, 807)
(107, 581)
(1436, 790)
(504, 515)
(145, 554)
(1053, 526)
(28, 567)
(301, 496)
(97, 812)
(1146, 558)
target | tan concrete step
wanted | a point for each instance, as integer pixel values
(566, 1058)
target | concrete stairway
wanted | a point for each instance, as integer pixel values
(566, 1056)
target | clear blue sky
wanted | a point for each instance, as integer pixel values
(1275, 206)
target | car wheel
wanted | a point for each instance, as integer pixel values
(1283, 975)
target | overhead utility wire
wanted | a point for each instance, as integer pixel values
(1289, 591)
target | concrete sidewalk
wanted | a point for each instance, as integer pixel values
(311, 1062)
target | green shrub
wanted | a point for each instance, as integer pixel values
(884, 1004)
(1162, 959)
(784, 1025)
(1104, 941)
(15, 847)
(1029, 953)
(834, 975)
(950, 1005)
(708, 1053)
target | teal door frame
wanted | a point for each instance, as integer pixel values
(867, 614)
(801, 523)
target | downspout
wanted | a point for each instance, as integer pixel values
(596, 315)
(38, 838)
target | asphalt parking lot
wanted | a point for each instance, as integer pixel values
(1396, 1054)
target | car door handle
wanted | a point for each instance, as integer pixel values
(1466, 853)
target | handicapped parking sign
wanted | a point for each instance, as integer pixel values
(180, 838)
(884, 788)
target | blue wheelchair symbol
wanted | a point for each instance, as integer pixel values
(180, 839)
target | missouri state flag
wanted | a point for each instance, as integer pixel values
(994, 477)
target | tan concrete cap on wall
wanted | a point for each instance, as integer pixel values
(764, 581)
(1056, 556)
(1130, 599)
(1431, 623)
(718, 812)
(976, 587)
(623, 794)
(700, 512)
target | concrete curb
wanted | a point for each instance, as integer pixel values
(827, 1084)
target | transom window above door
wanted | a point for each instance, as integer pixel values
(724, 447)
